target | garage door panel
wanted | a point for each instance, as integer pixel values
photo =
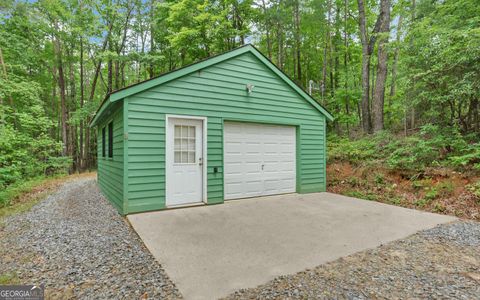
(273, 187)
(259, 159)
(233, 148)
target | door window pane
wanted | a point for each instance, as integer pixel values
(191, 144)
(191, 156)
(184, 144)
(184, 157)
(177, 144)
(177, 131)
(177, 156)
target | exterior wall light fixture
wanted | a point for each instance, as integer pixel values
(250, 88)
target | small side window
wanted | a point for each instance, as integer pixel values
(110, 139)
(103, 142)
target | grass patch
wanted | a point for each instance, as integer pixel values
(21, 197)
(365, 196)
(9, 278)
(13, 192)
(395, 200)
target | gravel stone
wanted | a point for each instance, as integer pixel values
(439, 263)
(460, 233)
(78, 245)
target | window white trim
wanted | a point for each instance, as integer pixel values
(169, 146)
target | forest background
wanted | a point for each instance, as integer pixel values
(402, 79)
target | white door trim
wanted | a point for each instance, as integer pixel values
(169, 147)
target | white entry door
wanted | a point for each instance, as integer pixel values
(259, 159)
(184, 161)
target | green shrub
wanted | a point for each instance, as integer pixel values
(475, 189)
(432, 193)
(469, 157)
(422, 202)
(417, 184)
(353, 181)
(28, 151)
(445, 188)
(357, 151)
(411, 153)
(432, 146)
(360, 195)
(379, 179)
(439, 208)
(395, 200)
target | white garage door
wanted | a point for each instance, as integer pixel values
(259, 159)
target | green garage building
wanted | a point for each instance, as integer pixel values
(229, 127)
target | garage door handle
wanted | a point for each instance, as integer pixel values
(263, 166)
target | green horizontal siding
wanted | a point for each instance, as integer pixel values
(218, 93)
(110, 170)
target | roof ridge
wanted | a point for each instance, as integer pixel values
(174, 74)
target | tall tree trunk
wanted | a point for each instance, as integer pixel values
(110, 76)
(345, 63)
(10, 98)
(367, 49)
(151, 72)
(54, 130)
(396, 56)
(333, 62)
(82, 99)
(5, 75)
(323, 86)
(2, 113)
(87, 153)
(372, 83)
(61, 86)
(117, 74)
(365, 102)
(379, 92)
(88, 160)
(72, 128)
(280, 48)
(297, 40)
(119, 48)
(325, 52)
(110, 67)
(412, 119)
(4, 69)
(267, 30)
(476, 114)
(412, 109)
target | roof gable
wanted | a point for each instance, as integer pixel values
(142, 86)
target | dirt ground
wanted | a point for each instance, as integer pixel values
(440, 191)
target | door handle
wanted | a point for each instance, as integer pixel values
(200, 162)
(263, 165)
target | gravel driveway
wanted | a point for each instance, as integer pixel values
(77, 244)
(79, 247)
(439, 263)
